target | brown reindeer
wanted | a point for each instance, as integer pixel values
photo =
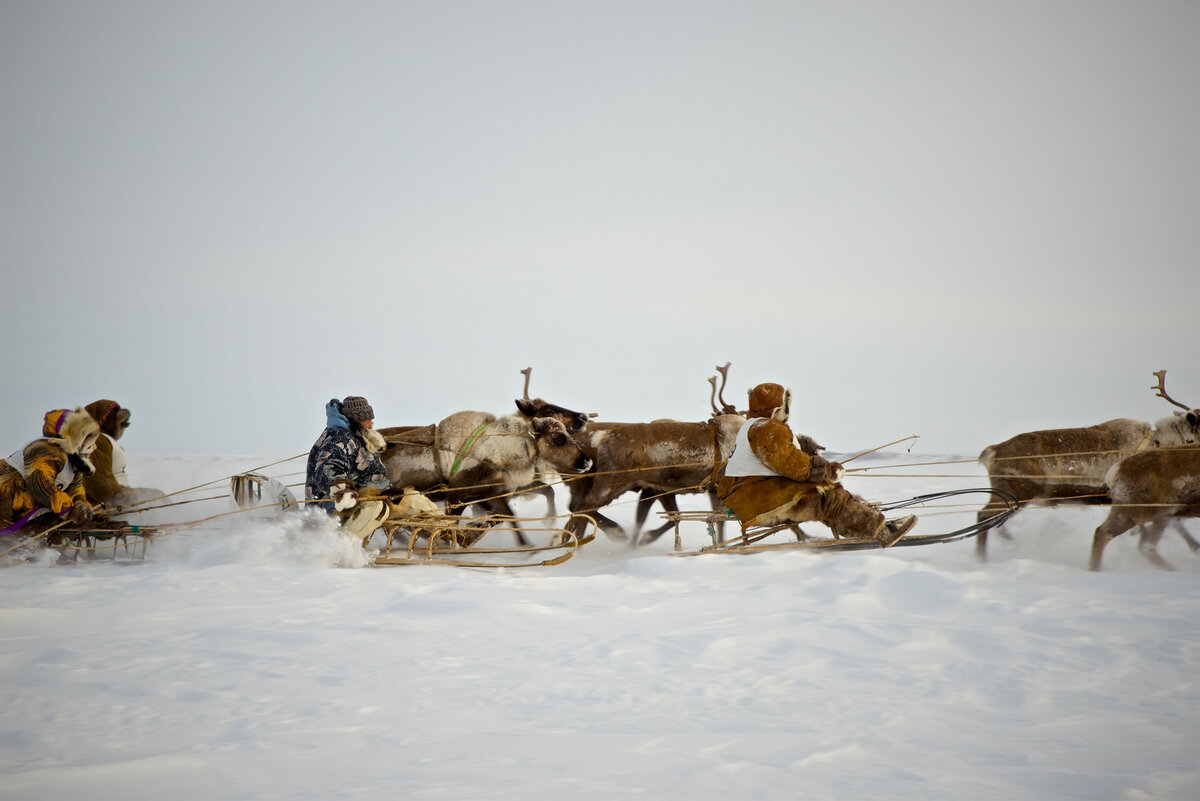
(662, 458)
(1150, 489)
(478, 458)
(667, 497)
(658, 460)
(1068, 465)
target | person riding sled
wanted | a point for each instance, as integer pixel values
(345, 474)
(108, 483)
(42, 483)
(772, 477)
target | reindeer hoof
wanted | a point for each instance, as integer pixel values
(616, 534)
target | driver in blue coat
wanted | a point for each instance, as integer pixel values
(345, 473)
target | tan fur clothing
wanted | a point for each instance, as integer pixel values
(33, 483)
(751, 497)
(102, 484)
(789, 496)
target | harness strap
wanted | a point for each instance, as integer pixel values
(466, 447)
(717, 462)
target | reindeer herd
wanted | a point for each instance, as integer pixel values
(1150, 475)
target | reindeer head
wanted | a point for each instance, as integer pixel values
(557, 448)
(539, 409)
(1181, 429)
(574, 421)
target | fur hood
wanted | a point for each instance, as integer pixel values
(771, 400)
(75, 431)
(111, 416)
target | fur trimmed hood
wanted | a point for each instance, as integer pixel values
(372, 439)
(111, 416)
(771, 400)
(75, 431)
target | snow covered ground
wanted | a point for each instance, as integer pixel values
(236, 663)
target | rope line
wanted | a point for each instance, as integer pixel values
(564, 480)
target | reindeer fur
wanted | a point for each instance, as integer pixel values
(663, 457)
(1068, 465)
(1149, 490)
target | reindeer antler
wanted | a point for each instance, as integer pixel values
(712, 396)
(1161, 375)
(724, 371)
(526, 372)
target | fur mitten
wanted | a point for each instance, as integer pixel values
(80, 513)
(824, 471)
(343, 494)
(808, 444)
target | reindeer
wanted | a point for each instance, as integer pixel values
(666, 498)
(478, 458)
(659, 460)
(1068, 465)
(575, 422)
(662, 457)
(1148, 490)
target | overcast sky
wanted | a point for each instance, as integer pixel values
(960, 220)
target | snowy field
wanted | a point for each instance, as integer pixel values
(237, 663)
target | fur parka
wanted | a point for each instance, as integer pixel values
(108, 461)
(344, 452)
(790, 476)
(50, 470)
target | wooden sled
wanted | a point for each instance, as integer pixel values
(455, 541)
(752, 539)
(101, 539)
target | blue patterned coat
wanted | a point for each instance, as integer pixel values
(339, 453)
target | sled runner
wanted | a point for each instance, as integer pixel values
(455, 540)
(753, 540)
(101, 539)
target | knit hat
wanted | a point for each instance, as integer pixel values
(357, 409)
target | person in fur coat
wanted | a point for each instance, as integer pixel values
(42, 482)
(345, 473)
(107, 483)
(774, 477)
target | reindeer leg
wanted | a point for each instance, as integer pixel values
(646, 499)
(1183, 532)
(547, 493)
(499, 506)
(610, 527)
(1116, 524)
(669, 504)
(1151, 533)
(990, 510)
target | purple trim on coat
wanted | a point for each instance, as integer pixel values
(62, 418)
(20, 524)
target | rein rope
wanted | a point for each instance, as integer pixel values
(464, 450)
